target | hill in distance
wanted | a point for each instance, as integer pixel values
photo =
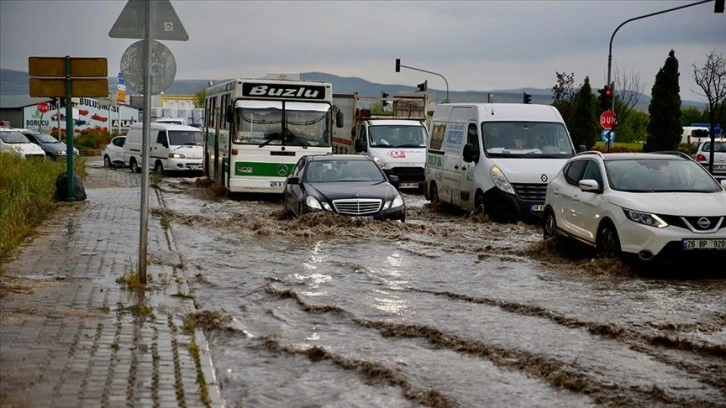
(14, 82)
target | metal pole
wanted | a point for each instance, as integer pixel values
(69, 135)
(143, 230)
(610, 49)
(430, 72)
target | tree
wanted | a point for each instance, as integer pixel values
(583, 121)
(199, 97)
(711, 77)
(664, 129)
(628, 90)
(563, 94)
(691, 115)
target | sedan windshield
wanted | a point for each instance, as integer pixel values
(343, 170)
(659, 175)
(45, 138)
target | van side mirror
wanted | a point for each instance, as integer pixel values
(471, 154)
(339, 119)
(360, 145)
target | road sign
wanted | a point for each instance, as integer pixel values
(607, 119)
(164, 26)
(163, 66)
(48, 76)
(717, 129)
(43, 107)
(607, 136)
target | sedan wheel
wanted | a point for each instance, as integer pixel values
(106, 161)
(549, 225)
(608, 242)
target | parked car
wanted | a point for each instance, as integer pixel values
(703, 154)
(13, 141)
(113, 153)
(643, 207)
(52, 147)
(351, 185)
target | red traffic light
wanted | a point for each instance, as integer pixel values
(608, 91)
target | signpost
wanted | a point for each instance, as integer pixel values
(147, 20)
(67, 77)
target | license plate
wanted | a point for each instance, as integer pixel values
(277, 183)
(536, 207)
(696, 244)
(408, 185)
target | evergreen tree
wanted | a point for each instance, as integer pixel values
(664, 129)
(583, 121)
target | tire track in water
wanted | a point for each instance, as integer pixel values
(549, 370)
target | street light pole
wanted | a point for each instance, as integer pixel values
(398, 64)
(610, 50)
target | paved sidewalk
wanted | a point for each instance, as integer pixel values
(72, 336)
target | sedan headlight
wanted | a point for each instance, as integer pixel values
(500, 180)
(397, 202)
(313, 204)
(61, 152)
(651, 220)
(176, 156)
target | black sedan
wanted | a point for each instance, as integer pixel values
(350, 185)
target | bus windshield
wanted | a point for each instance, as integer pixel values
(526, 139)
(282, 123)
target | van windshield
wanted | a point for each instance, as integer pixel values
(185, 137)
(526, 140)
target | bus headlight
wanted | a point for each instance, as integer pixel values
(500, 180)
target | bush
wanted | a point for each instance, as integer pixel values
(26, 196)
(92, 138)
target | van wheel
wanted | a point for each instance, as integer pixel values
(158, 167)
(434, 194)
(134, 166)
(479, 207)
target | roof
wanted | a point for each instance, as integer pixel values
(19, 101)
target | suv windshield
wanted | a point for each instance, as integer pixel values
(526, 139)
(659, 175)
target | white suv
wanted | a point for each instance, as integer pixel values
(13, 141)
(703, 156)
(641, 206)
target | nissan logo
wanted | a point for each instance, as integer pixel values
(543, 178)
(703, 222)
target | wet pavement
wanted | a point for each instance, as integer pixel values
(73, 334)
(445, 310)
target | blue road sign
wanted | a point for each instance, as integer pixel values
(604, 135)
(717, 129)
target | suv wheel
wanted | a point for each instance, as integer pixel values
(608, 242)
(549, 224)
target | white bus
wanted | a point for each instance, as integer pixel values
(257, 129)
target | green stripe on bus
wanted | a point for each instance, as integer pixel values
(254, 169)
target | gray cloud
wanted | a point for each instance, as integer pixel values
(478, 45)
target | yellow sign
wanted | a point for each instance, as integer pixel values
(44, 87)
(56, 67)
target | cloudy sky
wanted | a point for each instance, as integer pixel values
(475, 45)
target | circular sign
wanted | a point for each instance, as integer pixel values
(607, 119)
(43, 107)
(607, 136)
(163, 67)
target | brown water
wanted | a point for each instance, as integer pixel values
(446, 310)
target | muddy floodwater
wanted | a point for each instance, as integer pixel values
(445, 310)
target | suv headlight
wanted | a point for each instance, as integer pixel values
(500, 180)
(651, 220)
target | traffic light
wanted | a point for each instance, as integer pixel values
(605, 99)
(718, 6)
(526, 98)
(398, 65)
(423, 86)
(384, 102)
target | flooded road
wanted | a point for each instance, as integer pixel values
(446, 310)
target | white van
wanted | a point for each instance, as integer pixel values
(495, 158)
(695, 134)
(171, 147)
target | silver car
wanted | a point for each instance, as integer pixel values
(53, 148)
